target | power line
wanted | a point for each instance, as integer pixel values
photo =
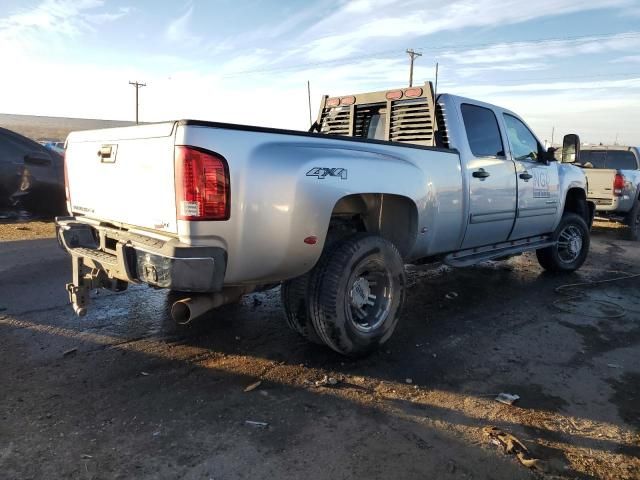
(138, 86)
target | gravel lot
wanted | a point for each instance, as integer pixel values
(125, 393)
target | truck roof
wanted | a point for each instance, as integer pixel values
(608, 147)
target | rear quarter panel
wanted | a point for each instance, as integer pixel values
(275, 204)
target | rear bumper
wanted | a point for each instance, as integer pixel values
(613, 204)
(134, 258)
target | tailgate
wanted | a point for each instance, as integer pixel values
(600, 182)
(124, 175)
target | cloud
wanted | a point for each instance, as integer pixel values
(379, 20)
(342, 47)
(627, 59)
(179, 30)
(62, 17)
(525, 51)
(106, 17)
(471, 71)
(483, 91)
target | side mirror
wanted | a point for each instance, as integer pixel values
(571, 148)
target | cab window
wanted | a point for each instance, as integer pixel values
(621, 160)
(482, 130)
(593, 158)
(524, 145)
(612, 159)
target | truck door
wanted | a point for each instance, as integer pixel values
(490, 177)
(538, 183)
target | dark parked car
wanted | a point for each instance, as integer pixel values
(31, 176)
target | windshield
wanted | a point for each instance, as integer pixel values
(612, 159)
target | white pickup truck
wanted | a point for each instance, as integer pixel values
(613, 175)
(385, 179)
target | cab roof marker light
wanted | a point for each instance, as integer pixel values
(333, 102)
(394, 95)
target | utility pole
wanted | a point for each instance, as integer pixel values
(413, 55)
(138, 86)
(553, 131)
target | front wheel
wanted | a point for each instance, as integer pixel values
(571, 245)
(356, 294)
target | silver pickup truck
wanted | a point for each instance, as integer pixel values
(613, 175)
(385, 178)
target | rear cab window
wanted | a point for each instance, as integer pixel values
(609, 159)
(483, 133)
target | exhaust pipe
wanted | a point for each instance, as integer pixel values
(188, 309)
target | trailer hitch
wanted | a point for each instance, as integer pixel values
(84, 280)
(78, 290)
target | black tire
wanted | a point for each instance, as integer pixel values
(571, 247)
(633, 220)
(293, 294)
(356, 293)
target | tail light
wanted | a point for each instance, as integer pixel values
(202, 185)
(618, 184)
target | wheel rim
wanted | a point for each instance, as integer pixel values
(570, 242)
(369, 295)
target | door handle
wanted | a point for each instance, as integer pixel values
(526, 176)
(481, 174)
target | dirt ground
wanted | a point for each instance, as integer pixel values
(26, 230)
(125, 393)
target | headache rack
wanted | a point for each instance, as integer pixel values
(402, 115)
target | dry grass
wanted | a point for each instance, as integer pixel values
(26, 230)
(54, 128)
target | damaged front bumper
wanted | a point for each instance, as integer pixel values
(107, 257)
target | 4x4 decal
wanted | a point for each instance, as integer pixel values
(322, 172)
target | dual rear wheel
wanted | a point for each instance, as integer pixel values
(351, 300)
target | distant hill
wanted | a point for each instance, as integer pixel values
(53, 128)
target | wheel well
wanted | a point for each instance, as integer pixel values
(576, 202)
(393, 217)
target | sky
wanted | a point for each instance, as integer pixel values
(566, 66)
